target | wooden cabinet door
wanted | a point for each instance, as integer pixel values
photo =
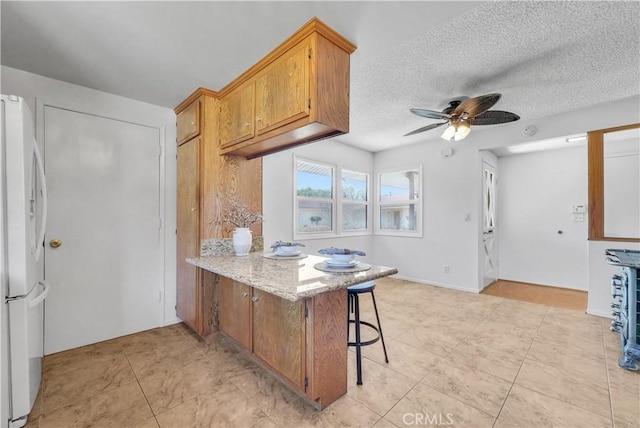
(188, 122)
(235, 311)
(237, 115)
(282, 90)
(188, 240)
(279, 335)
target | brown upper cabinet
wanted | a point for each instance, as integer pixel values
(297, 94)
(188, 122)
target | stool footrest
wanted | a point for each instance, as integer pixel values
(368, 342)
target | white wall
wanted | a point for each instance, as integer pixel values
(451, 188)
(277, 193)
(449, 192)
(535, 194)
(54, 92)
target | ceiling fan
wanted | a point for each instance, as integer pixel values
(461, 114)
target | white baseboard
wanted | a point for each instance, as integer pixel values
(437, 284)
(171, 321)
(599, 313)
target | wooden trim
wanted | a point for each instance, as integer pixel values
(595, 151)
(194, 96)
(313, 25)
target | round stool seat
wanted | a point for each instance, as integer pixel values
(364, 287)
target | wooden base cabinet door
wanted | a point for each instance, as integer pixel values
(279, 335)
(188, 238)
(235, 311)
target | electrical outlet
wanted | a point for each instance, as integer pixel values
(445, 268)
(578, 217)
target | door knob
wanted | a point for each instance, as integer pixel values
(55, 243)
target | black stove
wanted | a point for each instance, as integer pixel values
(625, 290)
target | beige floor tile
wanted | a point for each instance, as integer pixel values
(557, 383)
(347, 412)
(148, 423)
(68, 387)
(381, 388)
(475, 388)
(227, 407)
(574, 361)
(424, 406)
(124, 406)
(384, 423)
(164, 391)
(526, 408)
(493, 353)
(163, 359)
(403, 358)
(283, 406)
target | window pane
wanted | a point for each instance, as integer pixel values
(354, 185)
(401, 217)
(314, 216)
(314, 180)
(354, 217)
(399, 186)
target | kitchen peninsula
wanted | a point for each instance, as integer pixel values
(289, 316)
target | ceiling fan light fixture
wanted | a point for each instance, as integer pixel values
(462, 131)
(449, 133)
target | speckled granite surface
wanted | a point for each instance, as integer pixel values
(290, 279)
(224, 246)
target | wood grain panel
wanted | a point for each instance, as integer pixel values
(237, 115)
(327, 347)
(282, 89)
(279, 335)
(188, 122)
(235, 311)
(330, 85)
(188, 239)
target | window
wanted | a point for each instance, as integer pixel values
(314, 198)
(355, 201)
(320, 198)
(399, 208)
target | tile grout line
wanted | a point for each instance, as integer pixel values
(141, 388)
(606, 369)
(520, 368)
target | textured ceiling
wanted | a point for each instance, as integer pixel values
(545, 58)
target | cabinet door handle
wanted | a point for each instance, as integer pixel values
(258, 118)
(245, 294)
(255, 298)
(247, 124)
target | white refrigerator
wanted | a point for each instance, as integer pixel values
(23, 213)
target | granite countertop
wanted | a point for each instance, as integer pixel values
(290, 279)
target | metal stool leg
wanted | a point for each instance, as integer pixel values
(358, 342)
(375, 307)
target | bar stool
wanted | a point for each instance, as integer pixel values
(354, 308)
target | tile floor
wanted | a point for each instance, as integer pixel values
(456, 359)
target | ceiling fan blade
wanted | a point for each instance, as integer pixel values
(476, 106)
(431, 114)
(425, 128)
(493, 117)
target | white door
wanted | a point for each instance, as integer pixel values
(489, 251)
(103, 177)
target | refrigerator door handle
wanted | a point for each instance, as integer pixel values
(43, 181)
(40, 298)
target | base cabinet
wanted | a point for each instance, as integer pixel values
(234, 309)
(304, 342)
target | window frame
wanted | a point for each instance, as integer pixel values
(419, 208)
(297, 235)
(342, 202)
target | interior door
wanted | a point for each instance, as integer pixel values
(103, 254)
(489, 252)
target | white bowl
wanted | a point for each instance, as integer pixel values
(344, 258)
(287, 249)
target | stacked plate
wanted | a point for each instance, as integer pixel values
(335, 264)
(281, 253)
